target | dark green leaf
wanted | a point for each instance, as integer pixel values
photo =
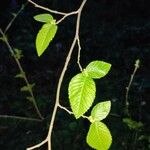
(18, 53)
(27, 87)
(31, 99)
(24, 89)
(20, 75)
(132, 124)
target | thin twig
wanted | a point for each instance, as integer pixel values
(22, 71)
(70, 112)
(15, 16)
(20, 118)
(48, 139)
(63, 72)
(67, 15)
(115, 115)
(137, 65)
(65, 109)
(79, 50)
(38, 145)
(47, 9)
(86, 117)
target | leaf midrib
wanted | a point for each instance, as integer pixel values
(81, 93)
(46, 34)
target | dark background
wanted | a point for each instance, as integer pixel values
(115, 31)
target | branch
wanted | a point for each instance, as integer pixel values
(48, 139)
(20, 118)
(137, 65)
(38, 145)
(86, 117)
(15, 16)
(65, 109)
(22, 71)
(79, 50)
(47, 9)
(66, 15)
(70, 112)
(63, 73)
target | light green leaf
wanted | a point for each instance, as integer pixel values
(99, 136)
(97, 69)
(44, 37)
(100, 111)
(81, 94)
(46, 18)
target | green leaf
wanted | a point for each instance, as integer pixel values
(2, 38)
(81, 94)
(132, 124)
(27, 87)
(24, 89)
(44, 37)
(18, 53)
(20, 75)
(14, 14)
(46, 18)
(97, 69)
(99, 136)
(100, 111)
(31, 99)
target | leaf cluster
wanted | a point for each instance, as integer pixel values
(82, 92)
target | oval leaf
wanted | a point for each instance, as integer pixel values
(99, 136)
(44, 37)
(100, 111)
(46, 18)
(81, 94)
(98, 69)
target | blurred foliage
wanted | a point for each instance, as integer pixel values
(114, 31)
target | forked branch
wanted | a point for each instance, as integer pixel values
(4, 38)
(75, 41)
(137, 65)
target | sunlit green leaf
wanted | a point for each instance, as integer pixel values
(81, 94)
(46, 18)
(97, 69)
(44, 37)
(100, 111)
(99, 136)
